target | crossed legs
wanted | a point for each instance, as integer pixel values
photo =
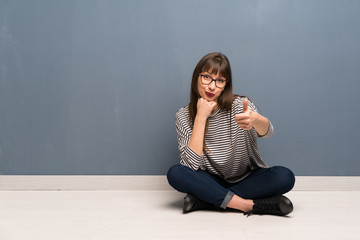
(261, 183)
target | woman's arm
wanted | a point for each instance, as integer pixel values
(261, 124)
(188, 157)
(204, 109)
(196, 142)
(191, 138)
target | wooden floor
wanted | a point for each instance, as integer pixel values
(151, 214)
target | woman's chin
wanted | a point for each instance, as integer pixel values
(211, 99)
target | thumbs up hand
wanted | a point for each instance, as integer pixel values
(247, 118)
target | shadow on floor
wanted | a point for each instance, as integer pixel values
(178, 204)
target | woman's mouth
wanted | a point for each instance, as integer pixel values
(209, 94)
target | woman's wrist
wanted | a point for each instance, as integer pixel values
(256, 118)
(200, 119)
(261, 124)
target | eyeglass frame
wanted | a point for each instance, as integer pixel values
(212, 80)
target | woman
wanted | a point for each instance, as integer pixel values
(220, 163)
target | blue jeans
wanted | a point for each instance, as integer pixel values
(261, 183)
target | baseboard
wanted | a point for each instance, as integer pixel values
(151, 182)
(327, 183)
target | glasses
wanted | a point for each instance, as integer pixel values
(206, 80)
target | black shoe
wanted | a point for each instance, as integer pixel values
(279, 205)
(191, 203)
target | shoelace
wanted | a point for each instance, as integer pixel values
(247, 214)
(263, 206)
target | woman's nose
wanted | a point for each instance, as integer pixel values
(212, 85)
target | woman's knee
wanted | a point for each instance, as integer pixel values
(175, 174)
(286, 177)
(172, 171)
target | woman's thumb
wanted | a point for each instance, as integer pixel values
(245, 104)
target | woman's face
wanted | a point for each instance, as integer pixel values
(209, 92)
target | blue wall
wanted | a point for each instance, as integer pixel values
(92, 87)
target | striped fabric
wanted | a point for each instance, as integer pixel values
(232, 152)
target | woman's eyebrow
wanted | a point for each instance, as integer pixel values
(220, 77)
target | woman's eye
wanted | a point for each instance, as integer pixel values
(221, 81)
(206, 76)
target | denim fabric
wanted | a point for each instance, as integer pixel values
(261, 183)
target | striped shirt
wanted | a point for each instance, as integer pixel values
(232, 152)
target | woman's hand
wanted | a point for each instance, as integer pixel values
(247, 118)
(204, 108)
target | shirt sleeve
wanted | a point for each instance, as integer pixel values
(188, 157)
(270, 131)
